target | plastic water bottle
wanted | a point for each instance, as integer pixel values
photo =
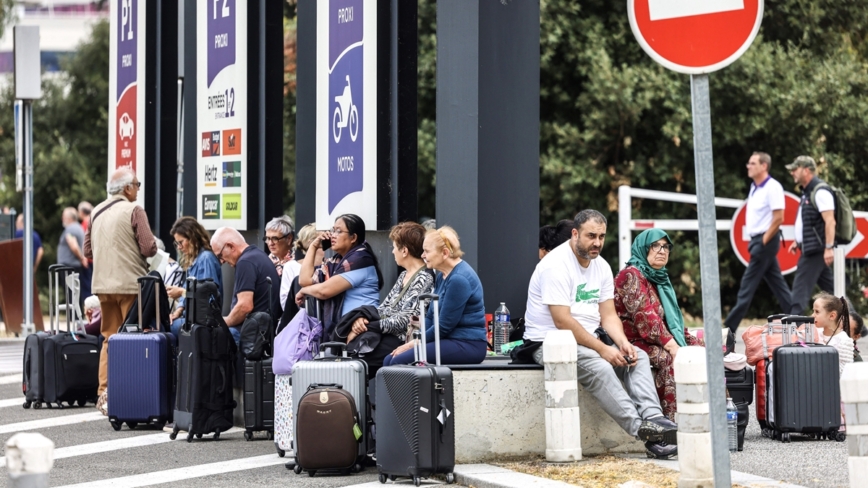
(501, 327)
(732, 425)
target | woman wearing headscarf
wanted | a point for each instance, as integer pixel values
(645, 302)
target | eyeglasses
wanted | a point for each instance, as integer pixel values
(657, 247)
(179, 244)
(220, 254)
(268, 239)
(338, 232)
(137, 184)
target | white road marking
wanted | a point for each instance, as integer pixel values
(51, 422)
(189, 472)
(11, 403)
(8, 380)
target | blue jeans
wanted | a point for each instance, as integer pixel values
(179, 322)
(451, 352)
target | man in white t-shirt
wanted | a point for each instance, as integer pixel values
(815, 234)
(764, 215)
(572, 289)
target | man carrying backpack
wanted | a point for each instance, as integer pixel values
(815, 232)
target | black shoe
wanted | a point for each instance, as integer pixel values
(659, 429)
(660, 450)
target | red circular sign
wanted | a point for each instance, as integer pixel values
(740, 240)
(692, 36)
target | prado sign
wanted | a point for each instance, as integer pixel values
(695, 36)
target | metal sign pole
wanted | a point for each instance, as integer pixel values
(710, 276)
(27, 142)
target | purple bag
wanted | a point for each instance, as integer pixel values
(298, 341)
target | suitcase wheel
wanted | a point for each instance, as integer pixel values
(26, 405)
(199, 435)
(190, 437)
(248, 436)
(173, 435)
(417, 480)
(71, 403)
(37, 405)
(270, 435)
(82, 403)
(838, 436)
(115, 425)
(785, 437)
(281, 452)
(217, 435)
(311, 473)
(132, 425)
(450, 478)
(382, 478)
(297, 469)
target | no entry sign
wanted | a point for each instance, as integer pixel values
(740, 240)
(695, 36)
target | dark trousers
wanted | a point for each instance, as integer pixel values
(763, 265)
(812, 271)
(451, 352)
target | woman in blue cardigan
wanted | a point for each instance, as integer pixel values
(461, 306)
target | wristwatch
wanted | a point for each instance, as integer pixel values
(830, 246)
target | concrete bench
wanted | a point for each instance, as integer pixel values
(500, 413)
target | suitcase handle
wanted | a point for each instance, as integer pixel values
(796, 319)
(157, 282)
(777, 316)
(325, 345)
(325, 385)
(424, 347)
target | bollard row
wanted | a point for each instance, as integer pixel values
(692, 417)
(563, 433)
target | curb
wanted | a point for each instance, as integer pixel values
(488, 476)
(746, 479)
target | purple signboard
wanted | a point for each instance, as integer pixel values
(221, 36)
(127, 33)
(345, 99)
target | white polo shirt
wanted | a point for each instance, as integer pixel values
(825, 202)
(762, 200)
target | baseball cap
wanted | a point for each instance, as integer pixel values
(803, 162)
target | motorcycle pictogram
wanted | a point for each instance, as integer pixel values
(346, 114)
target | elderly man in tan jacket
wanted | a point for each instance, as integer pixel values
(118, 239)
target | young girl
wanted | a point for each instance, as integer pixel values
(832, 317)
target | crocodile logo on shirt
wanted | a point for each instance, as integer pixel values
(589, 296)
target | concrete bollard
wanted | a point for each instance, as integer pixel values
(854, 395)
(29, 458)
(563, 433)
(694, 426)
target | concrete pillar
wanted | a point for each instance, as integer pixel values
(29, 458)
(854, 395)
(563, 433)
(694, 427)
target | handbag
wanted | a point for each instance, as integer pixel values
(298, 341)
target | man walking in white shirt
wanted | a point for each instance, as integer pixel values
(764, 215)
(573, 289)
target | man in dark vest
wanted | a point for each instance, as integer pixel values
(814, 234)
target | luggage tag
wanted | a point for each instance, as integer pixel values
(357, 431)
(444, 413)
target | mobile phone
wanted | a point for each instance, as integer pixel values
(326, 244)
(628, 359)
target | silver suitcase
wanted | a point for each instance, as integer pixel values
(351, 374)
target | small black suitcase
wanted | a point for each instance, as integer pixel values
(804, 393)
(414, 423)
(258, 381)
(206, 365)
(740, 385)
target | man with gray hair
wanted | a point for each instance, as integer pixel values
(252, 267)
(70, 249)
(814, 234)
(119, 240)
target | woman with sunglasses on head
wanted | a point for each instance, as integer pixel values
(196, 259)
(645, 302)
(349, 279)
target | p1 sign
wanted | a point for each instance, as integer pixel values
(28, 73)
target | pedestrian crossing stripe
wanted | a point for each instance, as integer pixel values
(117, 444)
(11, 403)
(51, 422)
(189, 472)
(8, 380)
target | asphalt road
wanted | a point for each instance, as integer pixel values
(89, 453)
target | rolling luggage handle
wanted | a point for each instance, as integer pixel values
(53, 293)
(791, 325)
(424, 347)
(139, 327)
(322, 347)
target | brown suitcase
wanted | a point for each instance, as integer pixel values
(327, 430)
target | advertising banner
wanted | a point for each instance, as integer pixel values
(221, 91)
(346, 118)
(126, 88)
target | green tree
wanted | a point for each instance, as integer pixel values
(70, 130)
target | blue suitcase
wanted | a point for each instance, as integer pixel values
(141, 371)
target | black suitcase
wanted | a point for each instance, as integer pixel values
(740, 385)
(206, 365)
(804, 393)
(258, 381)
(61, 366)
(414, 424)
